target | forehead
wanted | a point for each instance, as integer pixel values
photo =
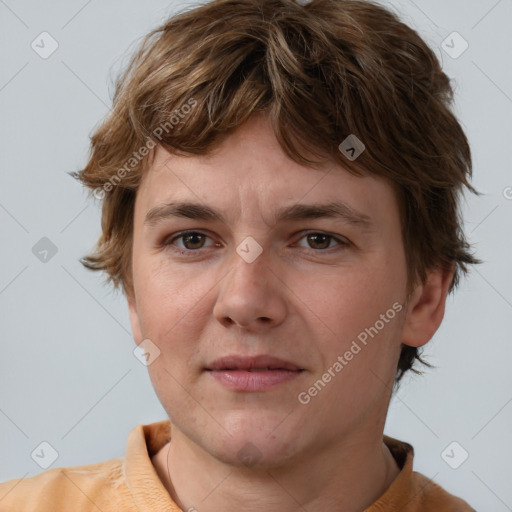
(250, 170)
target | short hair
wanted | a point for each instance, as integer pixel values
(322, 71)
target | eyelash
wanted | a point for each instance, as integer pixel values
(168, 242)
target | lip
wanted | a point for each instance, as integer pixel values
(246, 380)
(235, 362)
(256, 373)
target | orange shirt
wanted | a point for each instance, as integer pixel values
(130, 483)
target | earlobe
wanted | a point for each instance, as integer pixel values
(425, 309)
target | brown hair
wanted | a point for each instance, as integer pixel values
(322, 71)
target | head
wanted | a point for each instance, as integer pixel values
(241, 106)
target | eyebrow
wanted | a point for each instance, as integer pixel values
(297, 212)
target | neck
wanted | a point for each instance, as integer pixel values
(347, 476)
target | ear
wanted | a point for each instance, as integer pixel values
(425, 309)
(134, 320)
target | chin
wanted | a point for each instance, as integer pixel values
(252, 456)
(254, 448)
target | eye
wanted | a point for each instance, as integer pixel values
(193, 241)
(322, 241)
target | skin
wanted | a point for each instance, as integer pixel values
(303, 299)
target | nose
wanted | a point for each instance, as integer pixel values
(251, 295)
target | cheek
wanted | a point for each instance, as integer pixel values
(344, 301)
(167, 296)
(358, 336)
(358, 318)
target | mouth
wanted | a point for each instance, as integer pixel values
(263, 363)
(250, 374)
(255, 370)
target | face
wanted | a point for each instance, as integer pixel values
(325, 293)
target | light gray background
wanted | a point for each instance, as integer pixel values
(67, 370)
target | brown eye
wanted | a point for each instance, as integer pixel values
(191, 240)
(322, 241)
